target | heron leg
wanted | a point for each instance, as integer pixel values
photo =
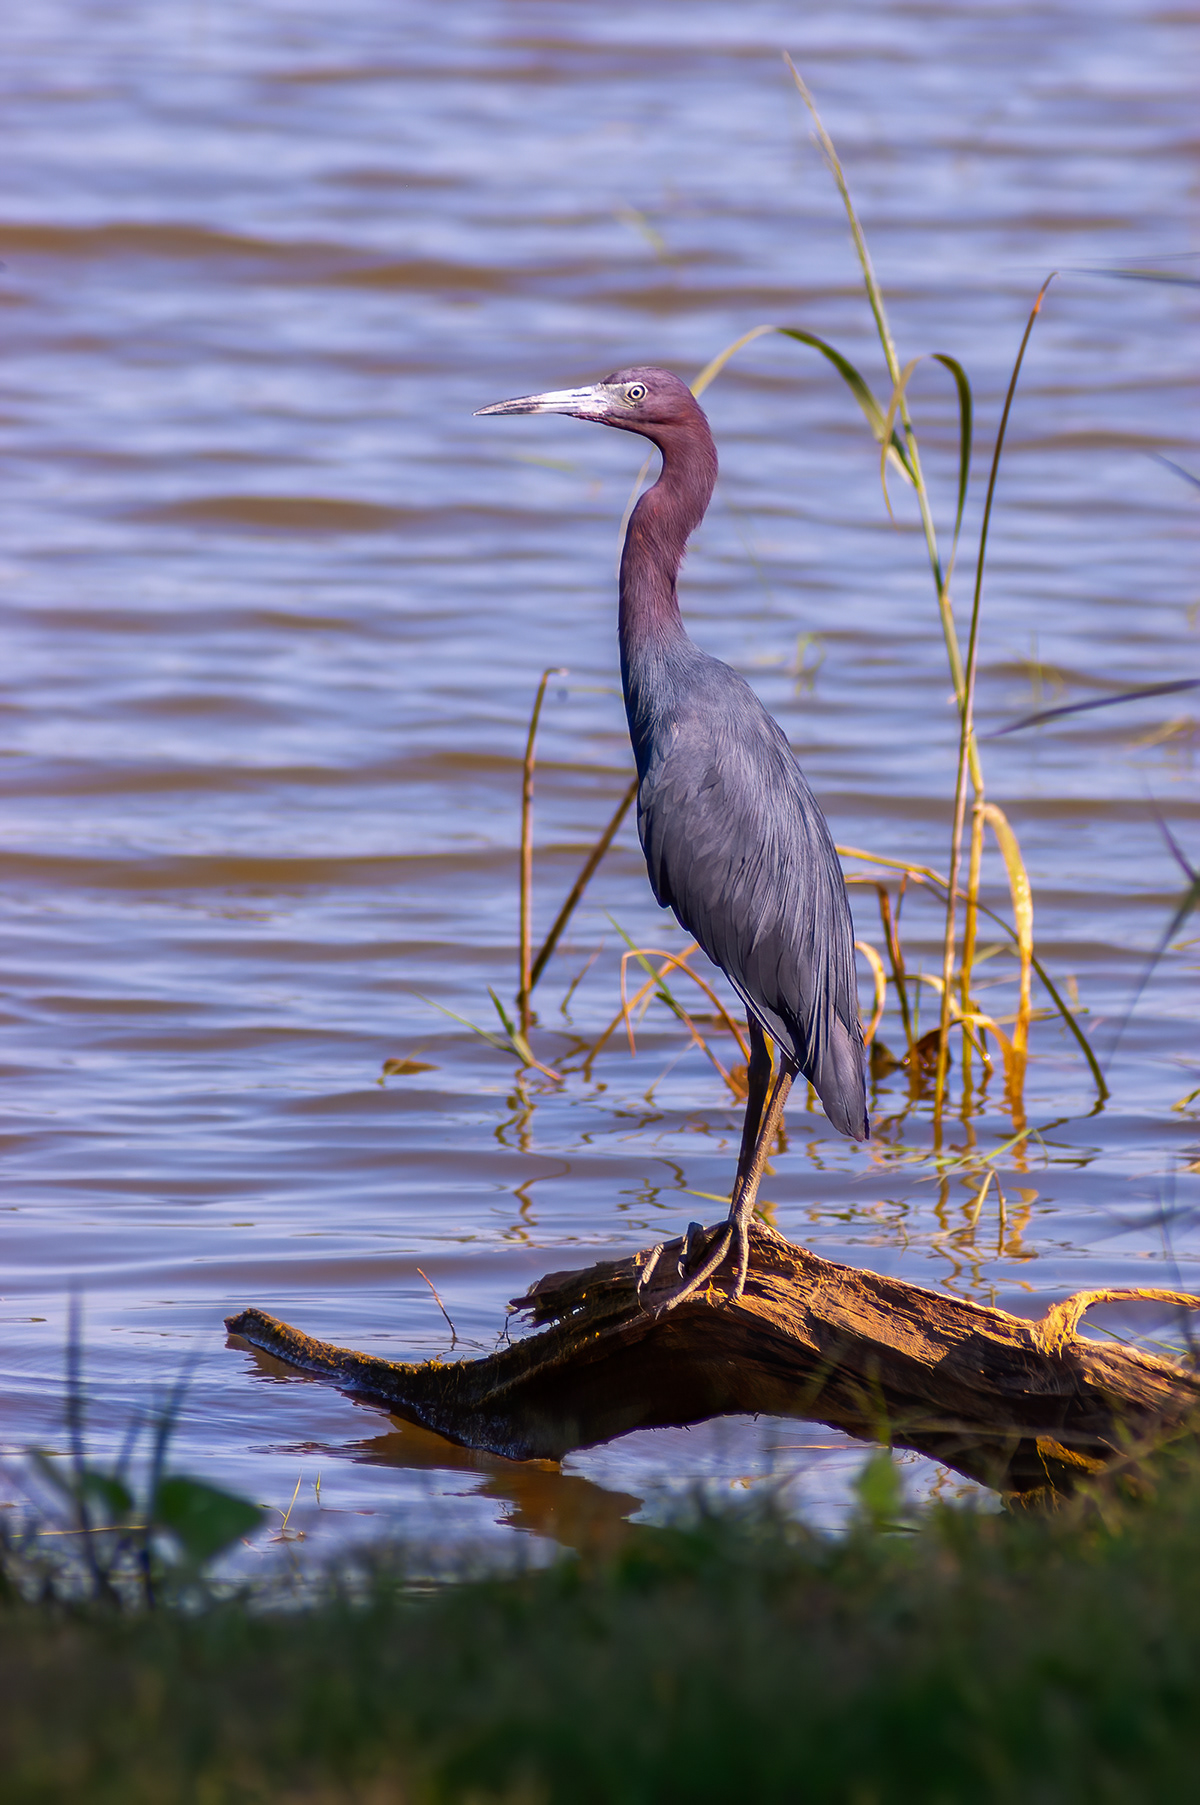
(737, 1229)
(764, 1110)
(758, 1083)
(747, 1191)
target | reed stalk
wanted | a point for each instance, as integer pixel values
(967, 724)
(891, 934)
(872, 958)
(970, 928)
(581, 882)
(526, 904)
(895, 952)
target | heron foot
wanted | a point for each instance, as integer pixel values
(717, 1250)
(693, 1243)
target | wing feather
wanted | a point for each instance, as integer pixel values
(737, 846)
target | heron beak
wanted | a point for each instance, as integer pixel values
(584, 404)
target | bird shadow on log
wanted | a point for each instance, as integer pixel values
(1025, 1407)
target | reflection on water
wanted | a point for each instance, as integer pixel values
(535, 1496)
(275, 606)
(590, 1500)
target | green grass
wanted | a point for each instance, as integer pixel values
(976, 1658)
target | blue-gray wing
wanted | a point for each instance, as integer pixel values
(737, 846)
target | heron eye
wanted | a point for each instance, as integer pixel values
(636, 391)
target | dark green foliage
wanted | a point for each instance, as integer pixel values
(133, 1532)
(1015, 1657)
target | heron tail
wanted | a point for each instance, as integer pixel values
(835, 1070)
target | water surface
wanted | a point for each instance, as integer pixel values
(275, 605)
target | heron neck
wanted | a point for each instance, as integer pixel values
(655, 543)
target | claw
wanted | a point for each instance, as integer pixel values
(717, 1252)
(695, 1232)
(647, 1272)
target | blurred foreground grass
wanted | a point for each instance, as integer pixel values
(968, 1656)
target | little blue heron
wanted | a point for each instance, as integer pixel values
(735, 841)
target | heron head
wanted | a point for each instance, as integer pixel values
(639, 400)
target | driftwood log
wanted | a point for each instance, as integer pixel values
(1022, 1406)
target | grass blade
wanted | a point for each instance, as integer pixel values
(493, 1040)
(853, 378)
(891, 939)
(715, 365)
(881, 425)
(514, 1043)
(891, 934)
(889, 426)
(1179, 470)
(1102, 1091)
(912, 456)
(966, 431)
(680, 963)
(646, 966)
(1189, 901)
(656, 984)
(519, 1042)
(1132, 695)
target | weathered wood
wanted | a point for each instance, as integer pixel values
(1020, 1405)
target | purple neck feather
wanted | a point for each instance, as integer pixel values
(658, 533)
